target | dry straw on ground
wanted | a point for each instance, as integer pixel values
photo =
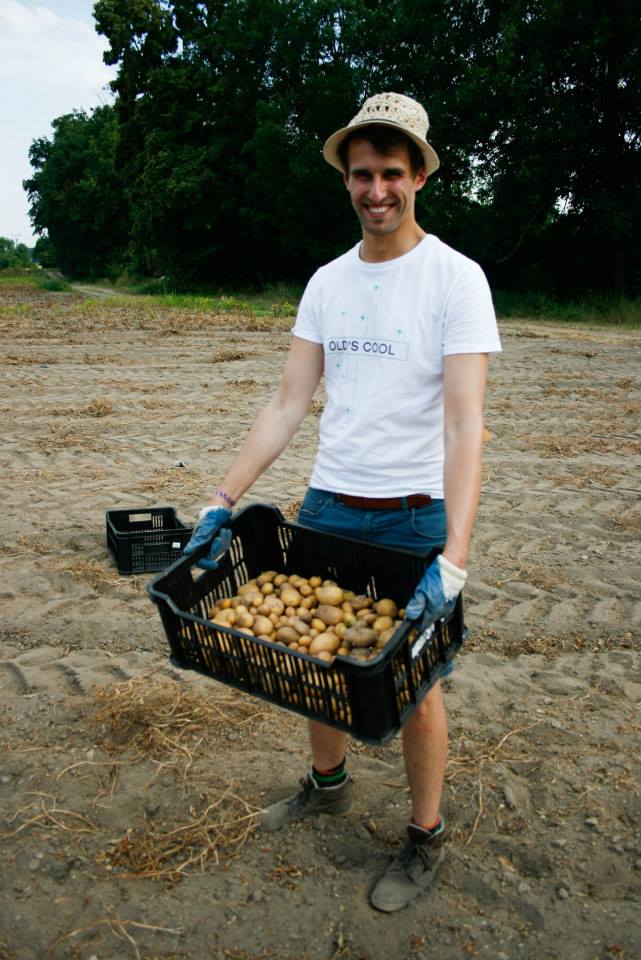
(160, 720)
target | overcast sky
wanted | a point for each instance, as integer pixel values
(50, 64)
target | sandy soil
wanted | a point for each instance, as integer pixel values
(127, 790)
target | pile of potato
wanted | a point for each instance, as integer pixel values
(312, 615)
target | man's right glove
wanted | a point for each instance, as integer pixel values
(209, 524)
(437, 591)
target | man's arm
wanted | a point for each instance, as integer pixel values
(464, 378)
(277, 422)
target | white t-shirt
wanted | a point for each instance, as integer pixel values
(385, 328)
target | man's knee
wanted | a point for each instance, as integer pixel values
(430, 709)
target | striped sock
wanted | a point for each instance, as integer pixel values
(330, 778)
(431, 831)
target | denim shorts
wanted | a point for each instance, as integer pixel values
(418, 529)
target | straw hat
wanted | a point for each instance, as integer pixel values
(388, 110)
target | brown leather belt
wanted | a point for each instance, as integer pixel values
(385, 503)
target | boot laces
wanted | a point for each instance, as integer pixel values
(300, 799)
(413, 858)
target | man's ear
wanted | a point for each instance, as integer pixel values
(420, 179)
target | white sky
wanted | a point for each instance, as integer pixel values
(50, 64)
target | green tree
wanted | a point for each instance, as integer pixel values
(209, 168)
(561, 173)
(75, 193)
(14, 256)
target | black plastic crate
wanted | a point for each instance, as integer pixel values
(146, 539)
(369, 699)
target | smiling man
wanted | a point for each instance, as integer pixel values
(400, 326)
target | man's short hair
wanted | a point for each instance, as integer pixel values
(384, 140)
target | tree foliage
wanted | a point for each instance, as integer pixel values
(209, 168)
(14, 256)
(76, 193)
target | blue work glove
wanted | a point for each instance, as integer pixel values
(437, 591)
(209, 524)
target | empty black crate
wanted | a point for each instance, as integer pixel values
(371, 700)
(145, 540)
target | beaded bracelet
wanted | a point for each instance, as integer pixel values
(225, 496)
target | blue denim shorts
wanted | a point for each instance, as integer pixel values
(418, 529)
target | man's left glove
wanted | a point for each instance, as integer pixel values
(437, 591)
(209, 524)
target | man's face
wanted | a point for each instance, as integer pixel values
(382, 187)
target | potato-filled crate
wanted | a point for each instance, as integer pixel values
(145, 539)
(372, 699)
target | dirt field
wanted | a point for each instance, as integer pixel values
(128, 791)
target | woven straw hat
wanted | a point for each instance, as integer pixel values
(388, 110)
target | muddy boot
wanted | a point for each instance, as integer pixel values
(308, 802)
(411, 872)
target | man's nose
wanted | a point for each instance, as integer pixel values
(376, 188)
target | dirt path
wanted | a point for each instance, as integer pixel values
(90, 290)
(127, 789)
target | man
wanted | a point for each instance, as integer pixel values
(400, 326)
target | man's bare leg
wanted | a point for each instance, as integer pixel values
(328, 752)
(425, 751)
(328, 745)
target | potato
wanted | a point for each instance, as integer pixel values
(358, 654)
(266, 577)
(329, 615)
(287, 635)
(360, 636)
(275, 605)
(342, 652)
(317, 624)
(262, 625)
(366, 617)
(324, 641)
(244, 619)
(315, 582)
(386, 635)
(386, 608)
(251, 598)
(267, 588)
(382, 623)
(247, 587)
(305, 589)
(329, 594)
(280, 579)
(361, 602)
(326, 656)
(220, 620)
(300, 626)
(290, 596)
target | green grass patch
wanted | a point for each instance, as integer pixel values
(34, 278)
(275, 300)
(594, 310)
